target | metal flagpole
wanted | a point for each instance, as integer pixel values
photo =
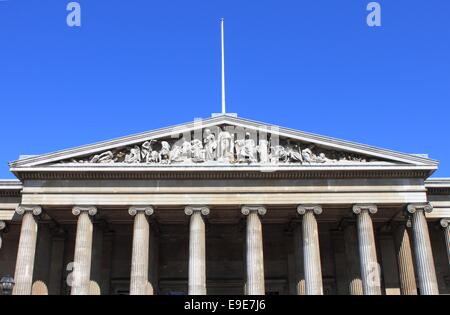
(223, 67)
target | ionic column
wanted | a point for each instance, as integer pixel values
(83, 250)
(405, 260)
(370, 272)
(139, 284)
(197, 250)
(352, 259)
(422, 249)
(311, 251)
(23, 275)
(445, 223)
(254, 248)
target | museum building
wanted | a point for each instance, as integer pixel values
(225, 205)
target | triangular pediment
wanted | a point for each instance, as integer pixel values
(223, 141)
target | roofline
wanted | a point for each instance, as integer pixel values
(135, 138)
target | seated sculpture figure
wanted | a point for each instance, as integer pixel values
(197, 151)
(239, 145)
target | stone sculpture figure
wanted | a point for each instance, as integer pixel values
(263, 150)
(186, 150)
(246, 149)
(146, 150)
(322, 158)
(224, 146)
(249, 148)
(278, 153)
(105, 157)
(176, 154)
(197, 151)
(295, 155)
(210, 146)
(240, 153)
(164, 154)
(307, 154)
(148, 154)
(134, 156)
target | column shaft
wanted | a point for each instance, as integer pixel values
(405, 261)
(139, 256)
(426, 272)
(311, 255)
(255, 259)
(370, 271)
(83, 254)
(197, 255)
(25, 256)
(353, 268)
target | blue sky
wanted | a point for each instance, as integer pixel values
(310, 65)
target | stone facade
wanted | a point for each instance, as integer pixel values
(225, 206)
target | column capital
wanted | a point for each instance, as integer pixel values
(425, 207)
(445, 222)
(189, 210)
(302, 209)
(2, 225)
(261, 210)
(21, 209)
(358, 208)
(89, 209)
(148, 210)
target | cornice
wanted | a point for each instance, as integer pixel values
(236, 173)
(438, 186)
(10, 188)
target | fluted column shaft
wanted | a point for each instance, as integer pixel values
(426, 272)
(23, 275)
(370, 271)
(83, 250)
(139, 284)
(254, 245)
(445, 223)
(311, 250)
(197, 250)
(352, 258)
(298, 250)
(405, 261)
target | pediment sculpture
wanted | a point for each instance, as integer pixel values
(223, 147)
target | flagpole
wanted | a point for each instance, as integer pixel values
(223, 67)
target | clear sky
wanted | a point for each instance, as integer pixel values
(311, 65)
